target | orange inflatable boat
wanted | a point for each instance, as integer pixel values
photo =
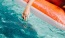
(50, 9)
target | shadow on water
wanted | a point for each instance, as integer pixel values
(12, 27)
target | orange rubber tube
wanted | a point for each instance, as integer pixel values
(51, 10)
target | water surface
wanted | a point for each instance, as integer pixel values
(13, 26)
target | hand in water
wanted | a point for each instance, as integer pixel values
(26, 12)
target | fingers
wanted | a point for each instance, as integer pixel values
(24, 16)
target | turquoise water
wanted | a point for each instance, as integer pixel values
(13, 26)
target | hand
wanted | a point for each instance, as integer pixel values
(26, 14)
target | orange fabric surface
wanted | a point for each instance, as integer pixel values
(50, 9)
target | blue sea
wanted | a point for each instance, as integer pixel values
(12, 24)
